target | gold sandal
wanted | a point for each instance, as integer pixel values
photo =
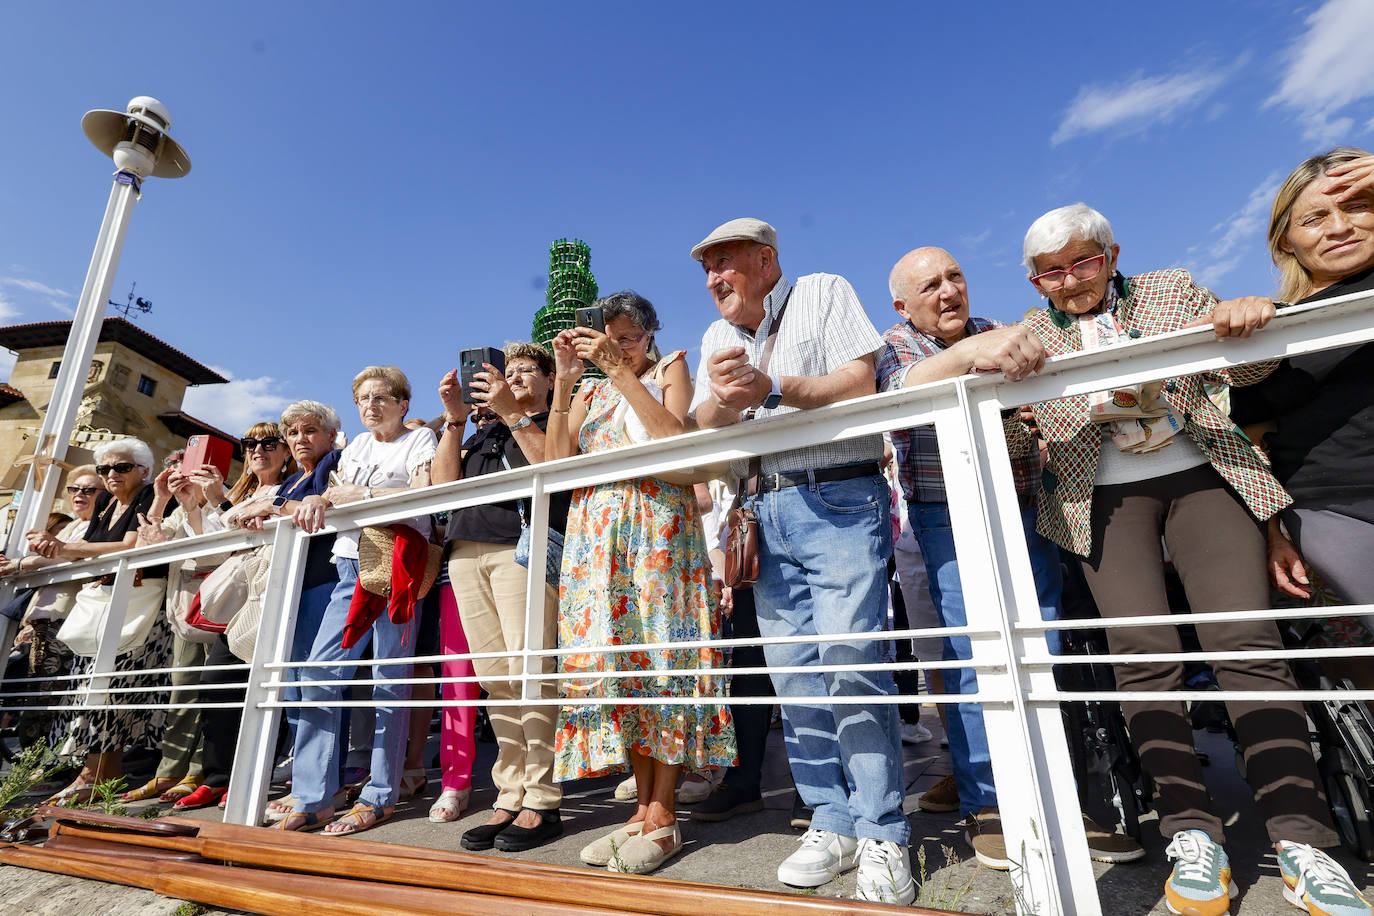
(150, 789)
(360, 817)
(304, 821)
(176, 793)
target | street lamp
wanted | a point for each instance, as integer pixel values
(138, 142)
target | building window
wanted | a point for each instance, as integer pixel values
(54, 369)
(146, 385)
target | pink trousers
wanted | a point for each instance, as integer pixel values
(457, 750)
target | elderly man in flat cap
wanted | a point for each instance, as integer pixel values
(824, 543)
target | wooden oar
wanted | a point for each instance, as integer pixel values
(483, 874)
(274, 893)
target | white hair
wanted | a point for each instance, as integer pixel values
(328, 416)
(1058, 228)
(137, 450)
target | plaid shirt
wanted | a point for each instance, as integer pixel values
(918, 452)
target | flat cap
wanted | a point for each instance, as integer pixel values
(744, 228)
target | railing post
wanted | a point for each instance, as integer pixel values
(535, 582)
(1036, 796)
(107, 648)
(251, 775)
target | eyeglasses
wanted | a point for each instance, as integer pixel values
(268, 443)
(1085, 269)
(122, 467)
(377, 400)
(523, 370)
(82, 491)
(626, 343)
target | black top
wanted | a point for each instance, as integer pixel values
(107, 527)
(1322, 404)
(319, 558)
(499, 523)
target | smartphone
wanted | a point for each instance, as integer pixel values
(590, 317)
(470, 362)
(203, 450)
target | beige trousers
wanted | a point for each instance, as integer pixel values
(490, 589)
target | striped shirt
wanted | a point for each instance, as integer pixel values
(918, 451)
(825, 327)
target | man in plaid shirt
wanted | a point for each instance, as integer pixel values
(937, 340)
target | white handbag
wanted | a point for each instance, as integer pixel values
(81, 630)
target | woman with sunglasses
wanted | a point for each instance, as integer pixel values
(100, 737)
(1146, 463)
(635, 570)
(202, 505)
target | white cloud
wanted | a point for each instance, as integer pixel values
(1244, 227)
(235, 406)
(1133, 106)
(8, 312)
(1329, 67)
(58, 299)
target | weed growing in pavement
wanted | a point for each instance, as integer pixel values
(28, 768)
(947, 896)
(191, 909)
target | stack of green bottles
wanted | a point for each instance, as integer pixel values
(571, 286)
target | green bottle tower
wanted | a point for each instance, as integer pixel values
(571, 286)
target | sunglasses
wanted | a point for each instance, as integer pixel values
(82, 491)
(268, 443)
(122, 467)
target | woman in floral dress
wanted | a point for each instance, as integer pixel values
(635, 570)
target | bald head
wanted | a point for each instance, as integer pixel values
(928, 289)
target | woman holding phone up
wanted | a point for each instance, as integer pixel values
(635, 570)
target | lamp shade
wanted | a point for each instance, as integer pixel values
(110, 130)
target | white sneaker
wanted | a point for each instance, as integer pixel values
(627, 790)
(822, 856)
(915, 733)
(884, 873)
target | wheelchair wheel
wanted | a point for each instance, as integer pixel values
(1125, 800)
(1348, 795)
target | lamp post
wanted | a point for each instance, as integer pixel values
(137, 140)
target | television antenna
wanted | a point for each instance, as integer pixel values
(133, 307)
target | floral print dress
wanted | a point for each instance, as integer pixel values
(635, 570)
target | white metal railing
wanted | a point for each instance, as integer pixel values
(1038, 801)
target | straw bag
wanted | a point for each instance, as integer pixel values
(242, 634)
(376, 544)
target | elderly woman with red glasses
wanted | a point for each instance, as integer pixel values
(100, 737)
(1132, 467)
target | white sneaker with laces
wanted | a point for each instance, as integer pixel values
(915, 733)
(822, 856)
(884, 873)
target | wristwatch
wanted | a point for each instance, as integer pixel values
(774, 398)
(521, 423)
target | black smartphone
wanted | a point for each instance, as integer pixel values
(471, 361)
(590, 317)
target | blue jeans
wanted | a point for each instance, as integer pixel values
(823, 552)
(968, 737)
(315, 773)
(309, 616)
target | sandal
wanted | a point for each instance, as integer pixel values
(360, 817)
(150, 789)
(304, 821)
(279, 808)
(642, 854)
(181, 790)
(413, 783)
(72, 796)
(202, 797)
(450, 805)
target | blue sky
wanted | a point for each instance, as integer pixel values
(380, 183)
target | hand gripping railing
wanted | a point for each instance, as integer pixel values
(1038, 802)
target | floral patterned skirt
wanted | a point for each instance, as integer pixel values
(635, 570)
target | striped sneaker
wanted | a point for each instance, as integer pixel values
(1200, 884)
(1315, 883)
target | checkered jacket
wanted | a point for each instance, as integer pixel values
(1151, 303)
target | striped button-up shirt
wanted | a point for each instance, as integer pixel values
(918, 451)
(824, 327)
